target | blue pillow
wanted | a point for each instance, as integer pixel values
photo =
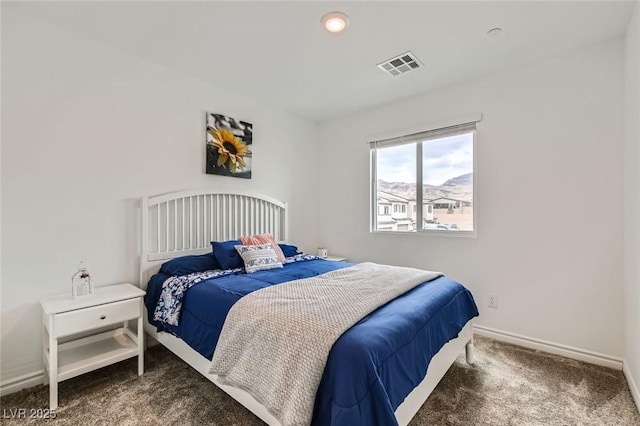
(185, 265)
(289, 250)
(227, 255)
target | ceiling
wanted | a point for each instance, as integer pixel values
(278, 53)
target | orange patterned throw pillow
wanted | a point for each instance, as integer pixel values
(254, 240)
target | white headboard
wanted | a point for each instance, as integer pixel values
(185, 222)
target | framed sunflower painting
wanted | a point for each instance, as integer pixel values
(228, 146)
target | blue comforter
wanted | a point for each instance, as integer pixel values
(372, 367)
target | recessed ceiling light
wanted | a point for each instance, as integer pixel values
(493, 32)
(335, 22)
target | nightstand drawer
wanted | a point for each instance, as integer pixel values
(94, 317)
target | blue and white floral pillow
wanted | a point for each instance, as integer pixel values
(258, 258)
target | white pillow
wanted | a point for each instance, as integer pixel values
(259, 257)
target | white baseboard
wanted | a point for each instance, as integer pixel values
(21, 382)
(550, 347)
(633, 387)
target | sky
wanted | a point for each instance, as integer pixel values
(443, 159)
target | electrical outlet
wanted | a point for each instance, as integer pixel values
(492, 301)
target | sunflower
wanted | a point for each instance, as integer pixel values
(231, 149)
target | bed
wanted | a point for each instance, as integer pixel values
(397, 342)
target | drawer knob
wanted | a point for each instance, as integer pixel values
(102, 317)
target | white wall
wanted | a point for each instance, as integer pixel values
(87, 130)
(632, 201)
(549, 148)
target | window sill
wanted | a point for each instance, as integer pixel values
(432, 233)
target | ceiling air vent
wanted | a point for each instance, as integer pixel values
(400, 64)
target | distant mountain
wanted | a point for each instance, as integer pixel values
(460, 180)
(459, 188)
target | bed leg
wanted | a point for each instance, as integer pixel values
(470, 352)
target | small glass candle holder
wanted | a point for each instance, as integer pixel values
(81, 284)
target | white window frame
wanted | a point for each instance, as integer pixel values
(467, 126)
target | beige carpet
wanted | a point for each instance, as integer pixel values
(508, 385)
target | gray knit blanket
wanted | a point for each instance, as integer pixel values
(275, 341)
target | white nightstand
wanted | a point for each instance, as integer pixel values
(64, 316)
(336, 258)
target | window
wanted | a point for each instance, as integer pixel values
(433, 173)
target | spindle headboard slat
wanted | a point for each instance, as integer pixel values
(183, 223)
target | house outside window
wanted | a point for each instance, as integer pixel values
(432, 172)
